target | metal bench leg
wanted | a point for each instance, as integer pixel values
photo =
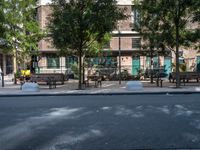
(96, 84)
(161, 83)
(50, 86)
(157, 82)
(184, 82)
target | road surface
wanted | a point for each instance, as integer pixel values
(123, 122)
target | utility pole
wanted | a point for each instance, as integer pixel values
(119, 33)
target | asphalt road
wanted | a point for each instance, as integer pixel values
(100, 122)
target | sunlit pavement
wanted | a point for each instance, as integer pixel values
(100, 122)
(70, 87)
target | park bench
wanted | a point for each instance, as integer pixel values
(185, 76)
(97, 80)
(50, 79)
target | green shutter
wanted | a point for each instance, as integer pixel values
(135, 65)
(148, 62)
(155, 62)
(198, 63)
(167, 65)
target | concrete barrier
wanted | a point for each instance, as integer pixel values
(30, 87)
(134, 85)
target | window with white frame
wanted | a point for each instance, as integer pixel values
(135, 17)
(136, 42)
(53, 61)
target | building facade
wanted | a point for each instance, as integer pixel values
(124, 47)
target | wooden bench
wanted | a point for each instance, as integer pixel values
(50, 79)
(97, 80)
(185, 76)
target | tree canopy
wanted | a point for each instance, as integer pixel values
(2, 25)
(75, 25)
(170, 20)
(149, 29)
(2, 19)
(22, 30)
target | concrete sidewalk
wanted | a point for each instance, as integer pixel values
(108, 88)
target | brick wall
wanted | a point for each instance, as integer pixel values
(124, 26)
(126, 41)
(43, 13)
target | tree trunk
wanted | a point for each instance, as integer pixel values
(177, 58)
(177, 47)
(83, 67)
(80, 71)
(151, 63)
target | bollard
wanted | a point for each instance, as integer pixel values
(15, 78)
(2, 78)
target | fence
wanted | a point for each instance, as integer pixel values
(111, 72)
(108, 72)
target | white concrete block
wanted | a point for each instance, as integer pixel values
(119, 2)
(197, 89)
(30, 87)
(134, 85)
(124, 2)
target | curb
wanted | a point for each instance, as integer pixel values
(101, 94)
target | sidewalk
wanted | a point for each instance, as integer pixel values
(108, 88)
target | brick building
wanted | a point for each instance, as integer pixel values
(125, 41)
(6, 63)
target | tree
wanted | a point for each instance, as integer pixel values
(173, 16)
(76, 24)
(2, 19)
(23, 31)
(3, 45)
(148, 27)
(196, 13)
(195, 36)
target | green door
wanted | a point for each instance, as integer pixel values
(198, 63)
(155, 62)
(148, 62)
(135, 65)
(167, 65)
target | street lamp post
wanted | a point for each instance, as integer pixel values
(119, 56)
(15, 63)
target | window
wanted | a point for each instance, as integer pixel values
(102, 61)
(1, 62)
(135, 17)
(53, 61)
(70, 60)
(136, 42)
